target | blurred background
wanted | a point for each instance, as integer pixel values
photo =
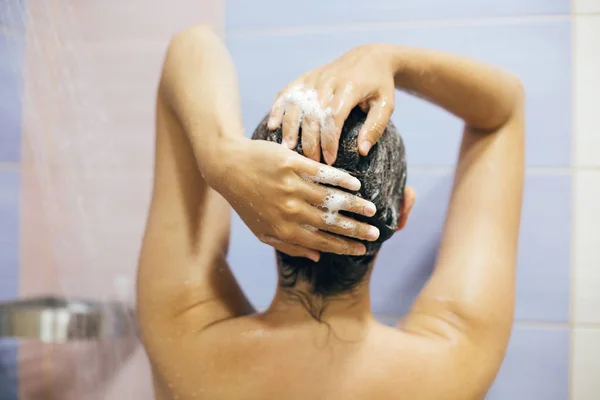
(77, 91)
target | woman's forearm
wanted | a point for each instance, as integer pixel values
(199, 85)
(481, 95)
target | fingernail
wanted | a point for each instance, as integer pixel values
(365, 147)
(354, 184)
(370, 209)
(373, 233)
(329, 157)
(314, 256)
(271, 123)
(359, 250)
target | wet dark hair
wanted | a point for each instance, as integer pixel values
(383, 176)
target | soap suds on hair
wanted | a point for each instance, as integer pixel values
(307, 101)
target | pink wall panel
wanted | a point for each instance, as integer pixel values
(91, 72)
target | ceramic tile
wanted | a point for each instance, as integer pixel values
(586, 64)
(586, 262)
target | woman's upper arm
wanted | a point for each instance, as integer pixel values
(471, 291)
(183, 274)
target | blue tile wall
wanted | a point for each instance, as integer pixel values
(9, 233)
(12, 49)
(543, 279)
(253, 264)
(266, 63)
(536, 366)
(13, 14)
(265, 14)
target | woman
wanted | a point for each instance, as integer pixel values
(318, 339)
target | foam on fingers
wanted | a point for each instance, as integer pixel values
(333, 176)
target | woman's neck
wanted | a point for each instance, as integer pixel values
(298, 305)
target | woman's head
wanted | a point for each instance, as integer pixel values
(383, 176)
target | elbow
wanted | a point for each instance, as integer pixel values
(192, 33)
(188, 42)
(515, 100)
(184, 46)
(508, 104)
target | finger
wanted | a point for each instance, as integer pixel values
(291, 249)
(281, 103)
(318, 173)
(327, 243)
(337, 200)
(328, 131)
(380, 112)
(276, 113)
(339, 224)
(291, 125)
(344, 101)
(326, 121)
(310, 137)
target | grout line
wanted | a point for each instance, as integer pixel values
(102, 42)
(570, 325)
(412, 168)
(572, 258)
(528, 170)
(382, 26)
(585, 14)
(542, 324)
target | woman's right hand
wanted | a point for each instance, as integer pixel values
(279, 195)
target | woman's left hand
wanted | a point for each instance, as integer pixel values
(321, 100)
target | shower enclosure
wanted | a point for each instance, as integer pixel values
(77, 85)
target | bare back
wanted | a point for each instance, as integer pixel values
(249, 358)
